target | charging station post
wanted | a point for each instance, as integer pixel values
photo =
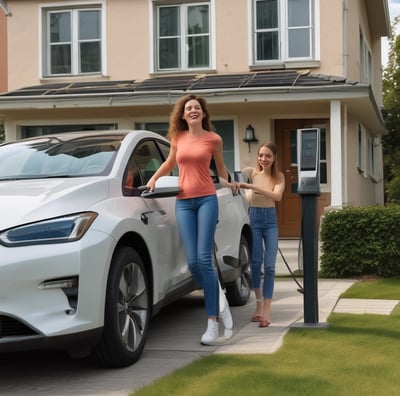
(308, 143)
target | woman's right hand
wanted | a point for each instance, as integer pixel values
(151, 184)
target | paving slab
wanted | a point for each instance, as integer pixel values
(365, 306)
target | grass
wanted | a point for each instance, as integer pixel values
(355, 355)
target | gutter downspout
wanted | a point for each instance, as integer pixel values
(345, 34)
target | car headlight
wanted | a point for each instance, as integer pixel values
(57, 230)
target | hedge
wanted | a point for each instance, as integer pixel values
(360, 241)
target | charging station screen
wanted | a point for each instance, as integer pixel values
(309, 141)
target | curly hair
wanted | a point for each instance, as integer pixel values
(275, 167)
(176, 122)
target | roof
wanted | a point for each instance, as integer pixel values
(184, 83)
(261, 87)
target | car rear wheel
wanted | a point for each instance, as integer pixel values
(239, 291)
(127, 310)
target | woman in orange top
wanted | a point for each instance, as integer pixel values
(193, 145)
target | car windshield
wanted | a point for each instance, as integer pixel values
(52, 157)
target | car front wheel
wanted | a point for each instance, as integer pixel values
(127, 310)
(239, 291)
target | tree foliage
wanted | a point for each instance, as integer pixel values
(2, 133)
(391, 114)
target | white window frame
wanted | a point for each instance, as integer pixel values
(283, 32)
(375, 157)
(183, 4)
(362, 150)
(44, 42)
(365, 60)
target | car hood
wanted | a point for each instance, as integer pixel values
(25, 201)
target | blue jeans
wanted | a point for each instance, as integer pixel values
(264, 226)
(197, 220)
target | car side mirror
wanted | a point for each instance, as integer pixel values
(166, 186)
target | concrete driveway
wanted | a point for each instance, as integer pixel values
(173, 342)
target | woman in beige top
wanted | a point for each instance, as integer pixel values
(266, 184)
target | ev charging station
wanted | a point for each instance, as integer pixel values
(308, 144)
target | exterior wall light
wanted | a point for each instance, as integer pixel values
(249, 136)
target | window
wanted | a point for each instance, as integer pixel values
(224, 128)
(39, 130)
(362, 150)
(183, 37)
(72, 41)
(158, 127)
(374, 153)
(142, 165)
(365, 61)
(283, 30)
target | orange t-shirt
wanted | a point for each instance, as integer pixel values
(193, 156)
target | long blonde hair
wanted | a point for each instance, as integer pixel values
(275, 171)
(176, 122)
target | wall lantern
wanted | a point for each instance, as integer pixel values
(249, 136)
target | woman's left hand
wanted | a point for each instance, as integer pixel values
(235, 186)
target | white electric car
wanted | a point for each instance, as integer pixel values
(88, 255)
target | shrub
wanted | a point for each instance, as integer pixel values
(360, 241)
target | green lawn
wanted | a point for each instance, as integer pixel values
(355, 355)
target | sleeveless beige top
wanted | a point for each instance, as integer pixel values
(259, 179)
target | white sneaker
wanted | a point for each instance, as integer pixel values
(225, 314)
(211, 334)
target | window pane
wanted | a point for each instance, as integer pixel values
(60, 59)
(90, 57)
(89, 25)
(267, 46)
(198, 21)
(298, 13)
(322, 155)
(60, 27)
(38, 130)
(169, 55)
(169, 21)
(169, 38)
(267, 14)
(299, 43)
(293, 147)
(198, 51)
(158, 127)
(225, 129)
(323, 173)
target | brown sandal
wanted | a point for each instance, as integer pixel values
(256, 318)
(263, 322)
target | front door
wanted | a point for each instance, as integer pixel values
(289, 209)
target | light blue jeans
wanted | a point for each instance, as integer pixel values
(197, 220)
(264, 226)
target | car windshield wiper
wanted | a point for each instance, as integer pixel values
(62, 176)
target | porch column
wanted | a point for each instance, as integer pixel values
(336, 155)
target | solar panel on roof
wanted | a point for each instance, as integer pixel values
(221, 81)
(165, 83)
(261, 79)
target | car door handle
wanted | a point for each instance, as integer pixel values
(145, 219)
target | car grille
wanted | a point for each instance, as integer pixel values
(10, 327)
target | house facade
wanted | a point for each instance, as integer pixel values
(275, 65)
(3, 51)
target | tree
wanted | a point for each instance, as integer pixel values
(2, 133)
(391, 115)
